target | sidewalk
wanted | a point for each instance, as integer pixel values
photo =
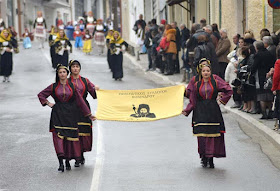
(264, 126)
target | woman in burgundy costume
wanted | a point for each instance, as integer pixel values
(64, 116)
(207, 121)
(84, 124)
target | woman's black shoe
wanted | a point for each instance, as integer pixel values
(67, 164)
(204, 162)
(61, 168)
(270, 115)
(211, 163)
(264, 115)
(253, 112)
(83, 160)
(77, 163)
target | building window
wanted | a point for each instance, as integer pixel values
(79, 8)
(10, 13)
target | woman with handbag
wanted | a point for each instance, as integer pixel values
(263, 62)
(248, 87)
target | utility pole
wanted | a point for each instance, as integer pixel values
(115, 14)
(19, 17)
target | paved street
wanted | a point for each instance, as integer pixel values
(159, 156)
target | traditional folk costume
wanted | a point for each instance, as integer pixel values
(84, 86)
(26, 39)
(52, 38)
(87, 48)
(6, 61)
(81, 23)
(59, 23)
(78, 36)
(108, 39)
(2, 25)
(207, 121)
(62, 49)
(90, 24)
(116, 47)
(64, 118)
(40, 27)
(99, 35)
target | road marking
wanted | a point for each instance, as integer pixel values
(99, 160)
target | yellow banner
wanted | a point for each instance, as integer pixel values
(140, 105)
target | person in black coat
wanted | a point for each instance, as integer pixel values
(139, 22)
(154, 26)
(178, 45)
(268, 44)
(201, 51)
(185, 35)
(148, 45)
(263, 62)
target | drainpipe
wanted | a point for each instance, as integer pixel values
(19, 17)
(263, 9)
(220, 13)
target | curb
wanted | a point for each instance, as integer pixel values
(263, 129)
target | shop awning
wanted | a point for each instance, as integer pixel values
(177, 2)
(174, 2)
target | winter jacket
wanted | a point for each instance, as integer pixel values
(201, 51)
(223, 49)
(185, 35)
(147, 40)
(276, 76)
(163, 45)
(272, 50)
(230, 74)
(171, 37)
(192, 43)
(263, 61)
(178, 39)
(213, 58)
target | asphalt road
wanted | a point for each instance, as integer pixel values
(160, 155)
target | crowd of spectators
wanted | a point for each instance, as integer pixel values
(250, 66)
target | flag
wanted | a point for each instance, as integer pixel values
(140, 105)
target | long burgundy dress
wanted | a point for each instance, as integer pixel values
(207, 121)
(84, 124)
(64, 118)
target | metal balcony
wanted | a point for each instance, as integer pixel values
(56, 3)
